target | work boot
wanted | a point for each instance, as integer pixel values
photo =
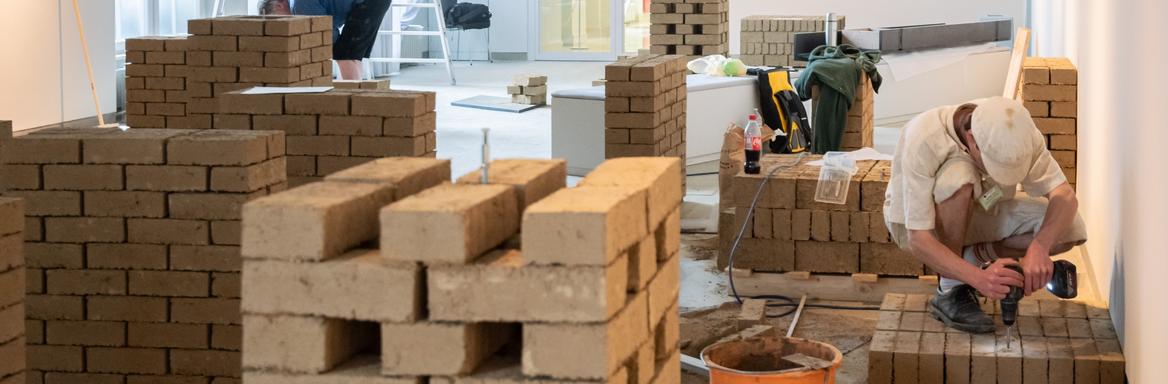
(959, 310)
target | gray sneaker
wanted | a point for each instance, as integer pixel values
(959, 310)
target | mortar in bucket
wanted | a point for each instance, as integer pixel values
(772, 360)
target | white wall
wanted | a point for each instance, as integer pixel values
(509, 32)
(1122, 179)
(44, 80)
(867, 13)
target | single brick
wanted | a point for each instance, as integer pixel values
(205, 363)
(204, 311)
(126, 308)
(86, 282)
(125, 204)
(392, 103)
(250, 178)
(85, 333)
(205, 258)
(83, 177)
(500, 288)
(168, 231)
(51, 307)
(659, 177)
(584, 225)
(167, 335)
(449, 223)
(220, 147)
(905, 358)
(135, 146)
(207, 206)
(360, 285)
(168, 283)
(55, 358)
(450, 349)
(533, 179)
(302, 344)
(125, 360)
(585, 351)
(364, 369)
(166, 178)
(313, 222)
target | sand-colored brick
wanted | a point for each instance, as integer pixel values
(450, 349)
(585, 351)
(313, 222)
(302, 344)
(360, 285)
(583, 225)
(533, 179)
(500, 287)
(660, 177)
(449, 223)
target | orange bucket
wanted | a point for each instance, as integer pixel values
(759, 360)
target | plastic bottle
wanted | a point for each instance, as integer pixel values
(753, 145)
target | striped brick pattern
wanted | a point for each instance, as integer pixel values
(770, 40)
(1054, 342)
(456, 292)
(12, 281)
(645, 107)
(689, 27)
(1050, 90)
(173, 82)
(132, 248)
(790, 231)
(330, 131)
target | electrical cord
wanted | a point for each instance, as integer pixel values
(701, 174)
(787, 301)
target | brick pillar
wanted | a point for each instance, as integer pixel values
(690, 27)
(12, 281)
(1049, 91)
(132, 248)
(645, 107)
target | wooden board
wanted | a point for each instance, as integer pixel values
(831, 287)
(1014, 73)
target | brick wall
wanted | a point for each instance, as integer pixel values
(770, 40)
(1055, 341)
(645, 107)
(790, 231)
(132, 248)
(331, 131)
(472, 283)
(690, 27)
(172, 82)
(1050, 90)
(12, 328)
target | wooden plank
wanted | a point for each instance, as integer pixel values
(829, 287)
(1014, 73)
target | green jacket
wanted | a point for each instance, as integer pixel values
(837, 71)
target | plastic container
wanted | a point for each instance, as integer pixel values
(759, 360)
(752, 135)
(834, 177)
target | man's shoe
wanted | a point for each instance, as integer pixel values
(959, 310)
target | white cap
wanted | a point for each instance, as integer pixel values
(1007, 138)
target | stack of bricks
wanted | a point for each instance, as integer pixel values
(132, 248)
(770, 40)
(334, 130)
(690, 27)
(645, 107)
(379, 84)
(861, 122)
(515, 281)
(1054, 342)
(1050, 90)
(12, 284)
(528, 89)
(173, 82)
(790, 231)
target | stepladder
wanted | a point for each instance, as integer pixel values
(396, 30)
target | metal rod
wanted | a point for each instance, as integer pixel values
(795, 320)
(486, 156)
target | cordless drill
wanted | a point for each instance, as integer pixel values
(1063, 284)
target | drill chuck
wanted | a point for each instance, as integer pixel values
(1009, 304)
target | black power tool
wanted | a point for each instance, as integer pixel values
(1063, 284)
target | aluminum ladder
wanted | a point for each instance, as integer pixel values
(441, 33)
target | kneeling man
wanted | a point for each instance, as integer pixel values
(952, 203)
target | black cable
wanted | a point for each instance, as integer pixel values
(746, 221)
(701, 174)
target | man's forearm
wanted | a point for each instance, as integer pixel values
(937, 256)
(1060, 214)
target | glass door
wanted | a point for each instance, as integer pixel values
(589, 29)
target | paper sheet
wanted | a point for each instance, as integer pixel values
(906, 65)
(282, 90)
(866, 153)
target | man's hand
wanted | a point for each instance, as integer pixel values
(995, 282)
(1037, 266)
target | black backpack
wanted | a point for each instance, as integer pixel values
(468, 16)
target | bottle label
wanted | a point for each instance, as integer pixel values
(755, 143)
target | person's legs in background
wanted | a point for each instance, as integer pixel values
(356, 40)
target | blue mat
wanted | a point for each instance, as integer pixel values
(494, 103)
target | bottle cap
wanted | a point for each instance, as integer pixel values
(752, 117)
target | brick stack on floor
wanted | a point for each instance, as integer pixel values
(690, 27)
(132, 248)
(457, 293)
(1055, 342)
(528, 89)
(790, 231)
(12, 284)
(173, 82)
(1050, 90)
(381, 84)
(861, 122)
(645, 107)
(330, 131)
(770, 40)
